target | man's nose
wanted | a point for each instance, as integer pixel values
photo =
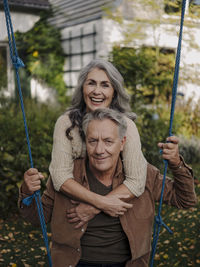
(100, 148)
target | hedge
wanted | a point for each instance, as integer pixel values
(14, 159)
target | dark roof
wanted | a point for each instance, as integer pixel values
(27, 4)
(72, 12)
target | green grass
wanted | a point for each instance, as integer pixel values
(22, 245)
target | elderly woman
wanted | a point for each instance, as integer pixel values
(100, 85)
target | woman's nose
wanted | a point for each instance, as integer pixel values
(97, 89)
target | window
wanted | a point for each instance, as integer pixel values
(3, 67)
(195, 2)
(172, 6)
(80, 48)
(195, 7)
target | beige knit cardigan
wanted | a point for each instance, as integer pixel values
(65, 151)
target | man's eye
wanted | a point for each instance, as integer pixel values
(92, 141)
(109, 142)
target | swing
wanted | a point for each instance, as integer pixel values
(17, 63)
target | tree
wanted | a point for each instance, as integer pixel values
(40, 49)
(147, 77)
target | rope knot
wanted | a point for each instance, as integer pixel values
(17, 62)
(28, 200)
(160, 222)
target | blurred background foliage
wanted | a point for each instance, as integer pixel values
(14, 159)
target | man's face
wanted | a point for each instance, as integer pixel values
(103, 145)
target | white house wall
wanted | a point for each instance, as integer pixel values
(42, 93)
(21, 22)
(111, 34)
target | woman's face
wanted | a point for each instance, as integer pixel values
(97, 90)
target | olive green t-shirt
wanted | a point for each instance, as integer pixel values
(104, 240)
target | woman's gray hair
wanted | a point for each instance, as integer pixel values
(106, 113)
(120, 100)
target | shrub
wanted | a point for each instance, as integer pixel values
(190, 149)
(147, 73)
(14, 159)
(153, 129)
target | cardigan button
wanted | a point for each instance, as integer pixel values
(78, 249)
(82, 230)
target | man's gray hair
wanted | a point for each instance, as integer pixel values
(106, 113)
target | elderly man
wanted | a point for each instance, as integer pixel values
(83, 235)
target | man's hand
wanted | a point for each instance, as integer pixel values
(32, 179)
(114, 206)
(170, 150)
(81, 214)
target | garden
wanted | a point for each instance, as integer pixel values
(148, 75)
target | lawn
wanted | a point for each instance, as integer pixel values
(22, 245)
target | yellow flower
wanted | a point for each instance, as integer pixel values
(35, 54)
(165, 256)
(14, 265)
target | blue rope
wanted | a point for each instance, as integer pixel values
(18, 63)
(158, 219)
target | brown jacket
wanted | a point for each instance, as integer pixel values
(136, 222)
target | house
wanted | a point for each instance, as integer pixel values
(87, 33)
(24, 14)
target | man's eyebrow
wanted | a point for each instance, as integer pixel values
(108, 139)
(92, 138)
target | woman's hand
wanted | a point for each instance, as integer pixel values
(114, 206)
(81, 214)
(32, 180)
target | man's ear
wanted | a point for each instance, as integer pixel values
(123, 141)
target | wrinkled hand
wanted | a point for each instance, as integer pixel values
(32, 179)
(170, 150)
(81, 214)
(114, 206)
